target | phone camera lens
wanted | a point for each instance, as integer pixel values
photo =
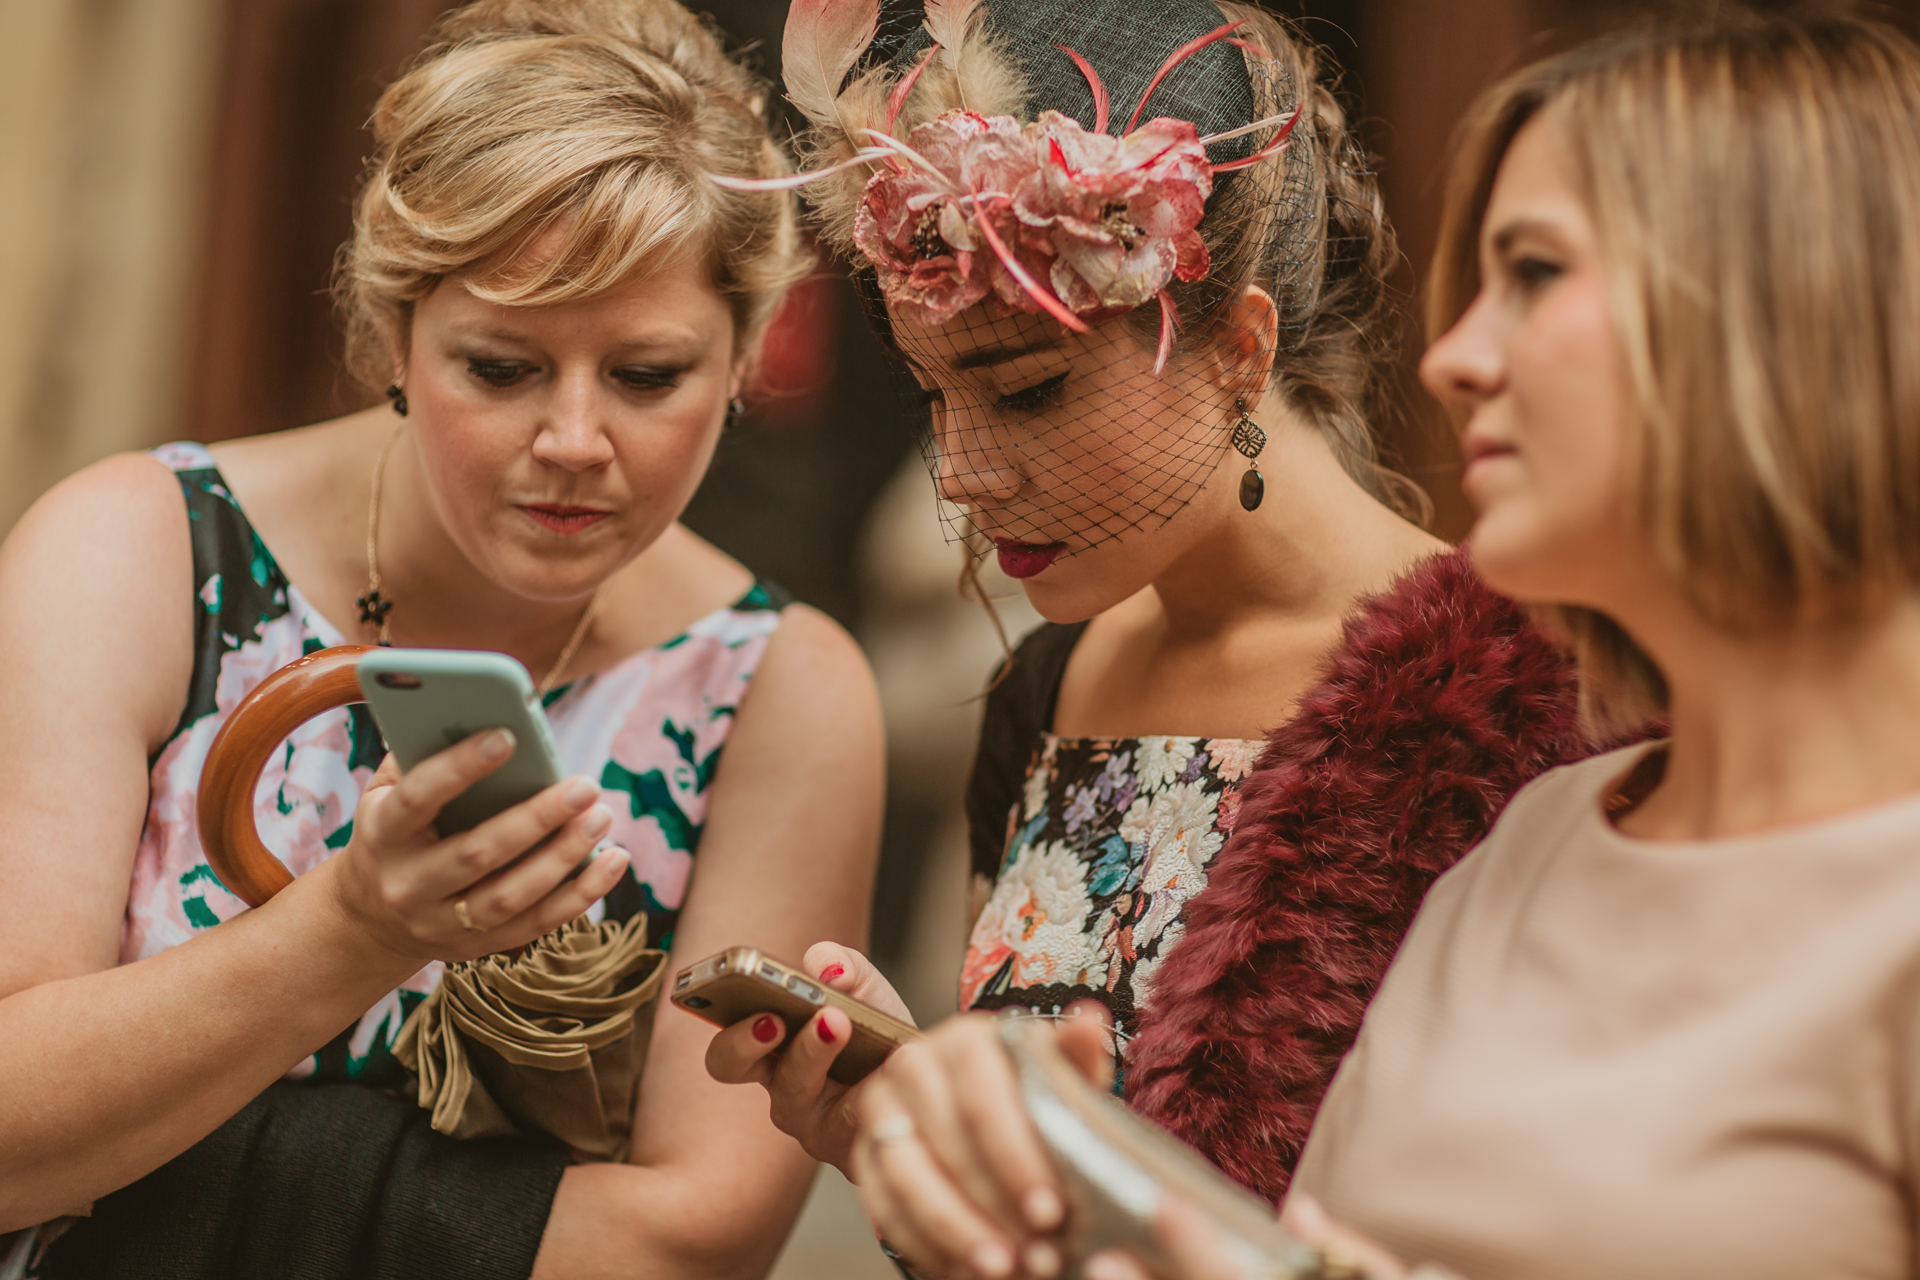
(697, 1002)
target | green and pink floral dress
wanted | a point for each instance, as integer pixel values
(650, 728)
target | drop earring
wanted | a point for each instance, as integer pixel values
(735, 408)
(1249, 439)
(399, 398)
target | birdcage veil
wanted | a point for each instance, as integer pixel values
(1066, 348)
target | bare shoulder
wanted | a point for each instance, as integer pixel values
(129, 493)
(665, 589)
(269, 471)
(96, 581)
(811, 660)
(812, 706)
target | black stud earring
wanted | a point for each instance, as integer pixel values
(399, 398)
(1249, 439)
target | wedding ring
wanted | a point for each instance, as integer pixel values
(897, 1127)
(465, 918)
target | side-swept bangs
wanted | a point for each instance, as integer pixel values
(1755, 188)
(593, 143)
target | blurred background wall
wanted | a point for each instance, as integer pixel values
(176, 176)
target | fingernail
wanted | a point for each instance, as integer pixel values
(766, 1028)
(831, 972)
(616, 858)
(1042, 1260)
(1043, 1208)
(498, 744)
(992, 1259)
(599, 818)
(824, 1031)
(581, 792)
(1103, 1266)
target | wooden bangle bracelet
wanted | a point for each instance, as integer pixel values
(281, 703)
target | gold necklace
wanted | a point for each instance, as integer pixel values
(375, 606)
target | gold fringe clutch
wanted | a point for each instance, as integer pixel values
(551, 1039)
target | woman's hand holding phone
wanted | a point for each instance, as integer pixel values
(950, 1168)
(1195, 1254)
(816, 1112)
(400, 883)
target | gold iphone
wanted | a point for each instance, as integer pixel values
(742, 982)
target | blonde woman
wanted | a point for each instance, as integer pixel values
(1662, 1022)
(563, 308)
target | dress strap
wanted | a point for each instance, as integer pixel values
(238, 587)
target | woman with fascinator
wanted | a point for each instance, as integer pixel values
(1137, 268)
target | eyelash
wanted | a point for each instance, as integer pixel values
(501, 374)
(650, 379)
(1041, 395)
(1532, 273)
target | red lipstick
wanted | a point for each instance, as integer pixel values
(561, 518)
(1025, 559)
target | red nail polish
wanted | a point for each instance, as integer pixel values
(766, 1028)
(831, 972)
(826, 1032)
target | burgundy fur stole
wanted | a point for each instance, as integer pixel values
(1440, 704)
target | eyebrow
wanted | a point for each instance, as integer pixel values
(986, 356)
(1503, 239)
(665, 336)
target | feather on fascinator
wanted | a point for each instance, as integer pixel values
(975, 206)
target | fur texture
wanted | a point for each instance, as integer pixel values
(1440, 704)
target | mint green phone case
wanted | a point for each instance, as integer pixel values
(425, 700)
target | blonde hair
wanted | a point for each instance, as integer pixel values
(1755, 188)
(596, 120)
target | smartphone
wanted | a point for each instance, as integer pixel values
(1117, 1166)
(741, 982)
(425, 700)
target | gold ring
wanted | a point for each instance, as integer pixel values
(897, 1127)
(465, 918)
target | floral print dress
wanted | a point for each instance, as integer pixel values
(1110, 839)
(650, 728)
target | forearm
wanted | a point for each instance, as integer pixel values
(111, 1074)
(723, 1217)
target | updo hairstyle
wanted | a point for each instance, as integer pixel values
(1307, 225)
(599, 118)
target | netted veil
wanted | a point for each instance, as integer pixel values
(1090, 186)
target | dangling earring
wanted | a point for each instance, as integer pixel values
(1249, 439)
(735, 407)
(399, 398)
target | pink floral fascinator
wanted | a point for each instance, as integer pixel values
(922, 169)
